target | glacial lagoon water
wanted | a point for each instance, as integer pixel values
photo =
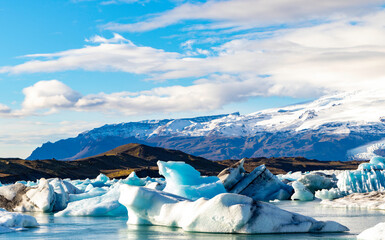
(109, 228)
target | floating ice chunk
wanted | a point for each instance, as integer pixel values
(183, 180)
(225, 213)
(368, 177)
(301, 193)
(291, 176)
(261, 184)
(375, 163)
(233, 174)
(371, 200)
(155, 185)
(10, 221)
(42, 198)
(92, 192)
(316, 181)
(374, 233)
(133, 179)
(360, 181)
(104, 205)
(102, 178)
(329, 194)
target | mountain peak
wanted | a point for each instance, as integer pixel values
(342, 116)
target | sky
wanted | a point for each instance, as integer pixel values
(68, 66)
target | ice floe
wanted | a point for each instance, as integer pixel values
(301, 193)
(329, 194)
(10, 221)
(103, 205)
(224, 213)
(260, 184)
(374, 233)
(184, 180)
(371, 200)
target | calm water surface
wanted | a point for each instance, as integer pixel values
(108, 228)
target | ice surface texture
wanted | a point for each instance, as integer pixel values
(46, 196)
(225, 213)
(10, 221)
(301, 193)
(368, 177)
(260, 184)
(372, 200)
(375, 233)
(183, 180)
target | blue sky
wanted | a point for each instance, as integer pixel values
(69, 66)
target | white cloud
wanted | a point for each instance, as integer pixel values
(4, 109)
(116, 54)
(250, 13)
(303, 62)
(51, 94)
(47, 97)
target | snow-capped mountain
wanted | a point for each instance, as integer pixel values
(334, 127)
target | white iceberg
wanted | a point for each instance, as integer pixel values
(329, 194)
(374, 233)
(315, 181)
(183, 180)
(371, 200)
(90, 192)
(10, 222)
(301, 193)
(104, 205)
(225, 213)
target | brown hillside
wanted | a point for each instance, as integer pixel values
(121, 161)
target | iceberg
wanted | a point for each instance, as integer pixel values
(10, 222)
(329, 194)
(371, 200)
(104, 205)
(374, 233)
(224, 213)
(260, 184)
(45, 196)
(315, 181)
(301, 192)
(233, 174)
(367, 178)
(90, 192)
(183, 180)
(20, 198)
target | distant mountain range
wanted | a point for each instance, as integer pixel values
(342, 127)
(121, 161)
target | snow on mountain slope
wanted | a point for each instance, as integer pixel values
(346, 109)
(335, 123)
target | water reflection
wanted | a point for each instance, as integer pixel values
(106, 228)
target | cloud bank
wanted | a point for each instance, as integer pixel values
(250, 13)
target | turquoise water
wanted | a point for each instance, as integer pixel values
(109, 228)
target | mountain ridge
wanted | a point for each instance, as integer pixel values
(123, 160)
(332, 127)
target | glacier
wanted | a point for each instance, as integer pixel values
(224, 213)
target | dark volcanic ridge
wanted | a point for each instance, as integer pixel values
(121, 161)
